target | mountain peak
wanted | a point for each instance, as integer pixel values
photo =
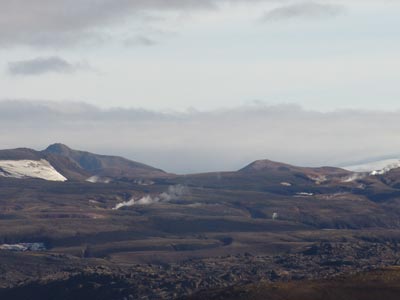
(265, 164)
(103, 165)
(58, 148)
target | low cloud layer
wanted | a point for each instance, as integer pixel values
(308, 10)
(196, 141)
(42, 65)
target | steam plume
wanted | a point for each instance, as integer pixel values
(173, 193)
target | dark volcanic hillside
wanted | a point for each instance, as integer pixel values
(80, 165)
(20, 153)
(275, 177)
(104, 165)
(268, 166)
(63, 165)
(294, 174)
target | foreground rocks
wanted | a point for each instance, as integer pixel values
(85, 279)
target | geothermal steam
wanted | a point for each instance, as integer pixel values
(173, 193)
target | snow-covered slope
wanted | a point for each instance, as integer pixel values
(377, 167)
(30, 169)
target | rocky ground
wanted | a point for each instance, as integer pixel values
(180, 280)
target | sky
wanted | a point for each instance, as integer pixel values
(192, 85)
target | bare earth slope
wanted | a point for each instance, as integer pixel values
(80, 165)
(104, 165)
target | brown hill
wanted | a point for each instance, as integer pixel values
(104, 165)
(80, 165)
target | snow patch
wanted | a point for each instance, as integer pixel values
(22, 247)
(40, 169)
(304, 194)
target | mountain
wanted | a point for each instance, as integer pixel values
(28, 163)
(104, 165)
(319, 175)
(276, 177)
(58, 162)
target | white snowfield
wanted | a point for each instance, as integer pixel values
(41, 169)
(377, 167)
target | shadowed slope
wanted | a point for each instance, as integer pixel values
(104, 165)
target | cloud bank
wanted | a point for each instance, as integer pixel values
(194, 141)
(42, 65)
(139, 41)
(307, 10)
(62, 22)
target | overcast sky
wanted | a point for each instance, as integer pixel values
(203, 61)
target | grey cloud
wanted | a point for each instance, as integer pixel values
(140, 41)
(204, 141)
(42, 65)
(59, 22)
(307, 10)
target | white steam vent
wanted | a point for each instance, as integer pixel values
(376, 168)
(174, 193)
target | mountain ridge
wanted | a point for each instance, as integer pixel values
(104, 165)
(81, 165)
